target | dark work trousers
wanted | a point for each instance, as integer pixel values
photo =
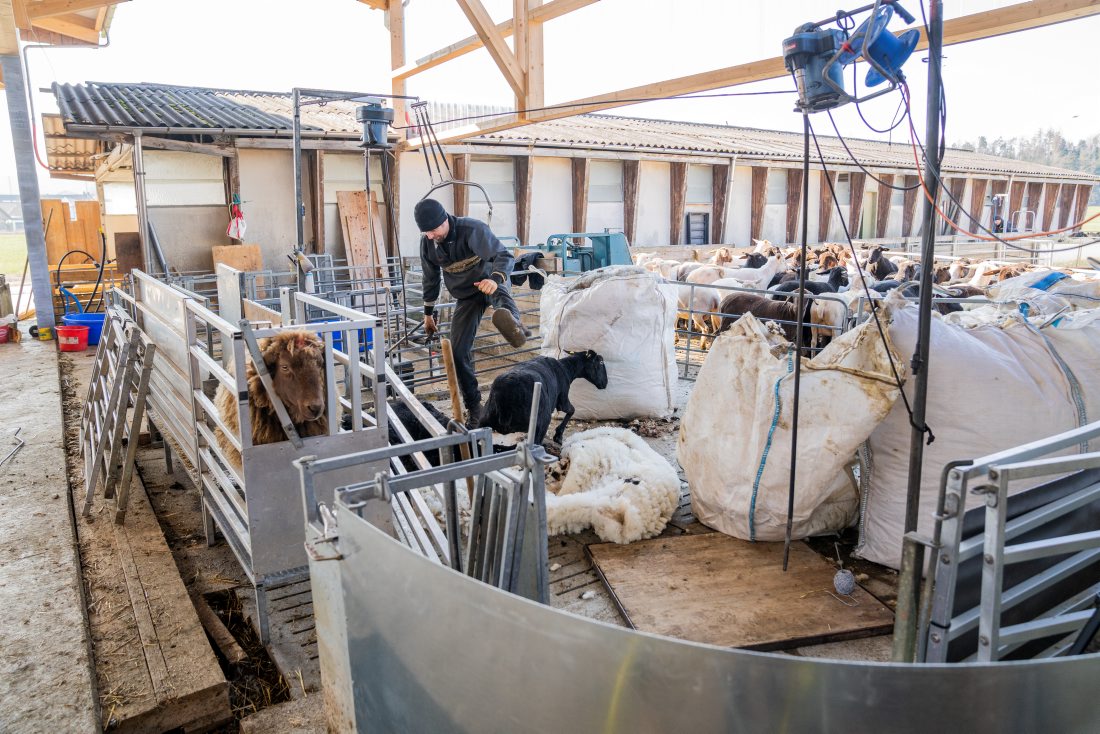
(467, 314)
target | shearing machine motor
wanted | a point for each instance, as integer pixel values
(817, 56)
(584, 251)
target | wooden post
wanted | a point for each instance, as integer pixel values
(885, 199)
(677, 189)
(580, 193)
(457, 411)
(316, 165)
(721, 180)
(395, 22)
(825, 215)
(631, 180)
(909, 205)
(461, 193)
(857, 182)
(977, 204)
(535, 84)
(1050, 201)
(522, 168)
(794, 202)
(759, 196)
(1066, 203)
(1084, 191)
(1015, 200)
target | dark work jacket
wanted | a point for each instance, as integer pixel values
(470, 253)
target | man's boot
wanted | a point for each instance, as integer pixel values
(473, 414)
(510, 329)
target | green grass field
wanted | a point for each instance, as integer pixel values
(13, 253)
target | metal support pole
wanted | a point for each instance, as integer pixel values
(299, 206)
(800, 301)
(19, 116)
(142, 203)
(928, 247)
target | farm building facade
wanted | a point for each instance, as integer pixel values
(661, 182)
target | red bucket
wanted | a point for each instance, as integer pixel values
(72, 338)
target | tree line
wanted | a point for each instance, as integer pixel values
(1047, 147)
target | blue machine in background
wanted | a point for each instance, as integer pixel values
(596, 250)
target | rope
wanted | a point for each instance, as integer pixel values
(767, 448)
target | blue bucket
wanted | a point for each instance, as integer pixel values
(366, 336)
(94, 322)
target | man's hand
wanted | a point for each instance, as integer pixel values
(487, 286)
(430, 327)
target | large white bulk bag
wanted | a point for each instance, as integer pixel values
(735, 442)
(990, 388)
(628, 316)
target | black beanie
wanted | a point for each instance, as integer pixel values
(429, 214)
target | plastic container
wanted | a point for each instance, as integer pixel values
(72, 338)
(94, 322)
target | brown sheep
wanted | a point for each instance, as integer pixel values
(296, 361)
(735, 305)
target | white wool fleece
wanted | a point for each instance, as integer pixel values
(615, 484)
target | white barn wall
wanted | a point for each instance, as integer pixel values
(604, 215)
(267, 182)
(551, 198)
(414, 184)
(654, 205)
(815, 207)
(738, 219)
(187, 207)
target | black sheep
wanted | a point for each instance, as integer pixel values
(879, 266)
(837, 277)
(415, 428)
(508, 408)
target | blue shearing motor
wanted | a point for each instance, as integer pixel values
(817, 56)
(602, 249)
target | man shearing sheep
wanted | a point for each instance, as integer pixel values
(476, 268)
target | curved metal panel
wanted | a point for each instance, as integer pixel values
(432, 650)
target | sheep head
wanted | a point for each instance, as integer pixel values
(296, 361)
(594, 369)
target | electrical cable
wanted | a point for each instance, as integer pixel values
(860, 165)
(570, 105)
(863, 281)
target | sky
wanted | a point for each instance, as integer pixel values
(1001, 87)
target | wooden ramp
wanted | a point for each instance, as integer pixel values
(719, 590)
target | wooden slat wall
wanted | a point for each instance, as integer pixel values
(1081, 207)
(580, 193)
(677, 190)
(909, 206)
(759, 196)
(958, 190)
(720, 191)
(858, 181)
(1066, 204)
(1015, 200)
(55, 223)
(1034, 193)
(521, 176)
(461, 193)
(825, 216)
(885, 198)
(1050, 201)
(794, 203)
(998, 187)
(977, 204)
(631, 180)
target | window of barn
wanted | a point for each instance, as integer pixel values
(605, 181)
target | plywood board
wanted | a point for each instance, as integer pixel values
(360, 243)
(259, 313)
(55, 222)
(89, 223)
(242, 257)
(716, 589)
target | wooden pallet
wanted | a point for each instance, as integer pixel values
(720, 590)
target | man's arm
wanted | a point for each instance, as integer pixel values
(431, 282)
(485, 245)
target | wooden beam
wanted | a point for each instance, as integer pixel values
(794, 202)
(759, 196)
(9, 39)
(885, 195)
(73, 26)
(379, 4)
(1066, 204)
(185, 146)
(1034, 193)
(1050, 201)
(825, 212)
(536, 89)
(1015, 201)
(22, 18)
(461, 165)
(677, 190)
(49, 8)
(958, 189)
(494, 43)
(631, 188)
(977, 203)
(1081, 206)
(720, 185)
(314, 163)
(909, 205)
(520, 33)
(522, 169)
(536, 15)
(1000, 21)
(395, 22)
(857, 182)
(580, 169)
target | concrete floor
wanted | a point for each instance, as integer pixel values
(46, 680)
